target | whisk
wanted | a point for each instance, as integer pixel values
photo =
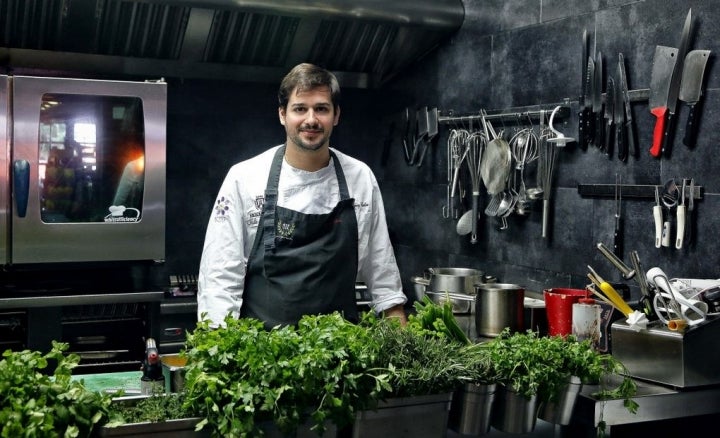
(457, 142)
(475, 144)
(546, 168)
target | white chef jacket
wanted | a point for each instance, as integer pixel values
(234, 220)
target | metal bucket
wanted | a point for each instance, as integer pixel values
(513, 413)
(471, 408)
(499, 305)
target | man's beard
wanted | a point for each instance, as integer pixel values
(308, 146)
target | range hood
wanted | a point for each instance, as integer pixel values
(365, 42)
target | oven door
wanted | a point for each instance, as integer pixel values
(88, 170)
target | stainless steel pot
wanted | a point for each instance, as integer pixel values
(456, 284)
(498, 306)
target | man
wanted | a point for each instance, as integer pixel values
(295, 227)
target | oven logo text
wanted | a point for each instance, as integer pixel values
(118, 212)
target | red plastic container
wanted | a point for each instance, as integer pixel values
(558, 306)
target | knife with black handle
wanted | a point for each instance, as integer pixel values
(674, 90)
(691, 90)
(629, 128)
(597, 102)
(588, 113)
(609, 117)
(619, 121)
(584, 112)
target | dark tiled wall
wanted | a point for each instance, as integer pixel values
(525, 53)
(519, 53)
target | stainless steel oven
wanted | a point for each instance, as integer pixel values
(82, 170)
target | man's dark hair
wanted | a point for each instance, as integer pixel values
(305, 77)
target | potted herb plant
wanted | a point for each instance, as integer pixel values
(157, 414)
(533, 370)
(427, 361)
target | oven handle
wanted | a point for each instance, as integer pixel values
(21, 185)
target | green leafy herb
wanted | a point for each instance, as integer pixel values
(240, 375)
(436, 320)
(534, 365)
(34, 403)
(153, 409)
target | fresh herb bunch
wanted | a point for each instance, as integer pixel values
(436, 320)
(152, 409)
(421, 361)
(34, 403)
(241, 375)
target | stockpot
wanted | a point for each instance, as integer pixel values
(457, 284)
(497, 306)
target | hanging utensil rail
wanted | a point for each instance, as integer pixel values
(506, 116)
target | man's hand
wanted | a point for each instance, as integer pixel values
(396, 312)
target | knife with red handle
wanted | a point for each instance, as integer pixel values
(661, 75)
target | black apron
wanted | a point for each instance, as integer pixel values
(302, 263)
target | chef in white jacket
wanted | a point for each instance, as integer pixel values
(294, 228)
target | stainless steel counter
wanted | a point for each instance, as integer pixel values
(656, 402)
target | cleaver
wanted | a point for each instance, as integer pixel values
(662, 70)
(691, 90)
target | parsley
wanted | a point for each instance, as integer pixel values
(37, 404)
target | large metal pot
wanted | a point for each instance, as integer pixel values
(456, 284)
(498, 306)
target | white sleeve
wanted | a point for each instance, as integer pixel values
(224, 259)
(377, 264)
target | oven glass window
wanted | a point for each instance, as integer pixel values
(92, 158)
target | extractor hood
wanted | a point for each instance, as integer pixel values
(365, 42)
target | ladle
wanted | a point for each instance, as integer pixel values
(464, 224)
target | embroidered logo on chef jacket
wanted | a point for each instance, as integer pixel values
(361, 204)
(285, 230)
(222, 209)
(255, 211)
(259, 202)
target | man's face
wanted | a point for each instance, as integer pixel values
(309, 118)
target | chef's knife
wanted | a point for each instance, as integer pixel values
(597, 101)
(691, 90)
(609, 116)
(629, 130)
(589, 103)
(584, 89)
(620, 134)
(663, 65)
(674, 90)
